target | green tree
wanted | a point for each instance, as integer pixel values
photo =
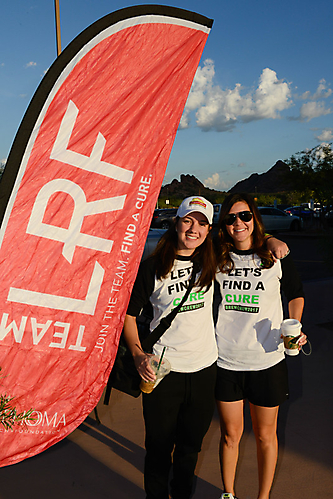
(311, 172)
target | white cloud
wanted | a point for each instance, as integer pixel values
(215, 182)
(31, 64)
(315, 107)
(326, 135)
(202, 82)
(322, 92)
(272, 95)
(312, 109)
(212, 181)
(221, 109)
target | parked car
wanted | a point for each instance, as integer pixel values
(276, 220)
(312, 206)
(162, 218)
(302, 212)
(216, 214)
(154, 235)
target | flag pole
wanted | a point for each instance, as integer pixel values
(57, 20)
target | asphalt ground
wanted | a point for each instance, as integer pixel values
(105, 460)
(310, 252)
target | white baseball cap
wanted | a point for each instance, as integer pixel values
(196, 203)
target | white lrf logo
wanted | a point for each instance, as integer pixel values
(72, 236)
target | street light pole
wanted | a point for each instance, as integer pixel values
(57, 20)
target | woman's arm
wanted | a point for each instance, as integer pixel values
(278, 248)
(292, 287)
(142, 289)
(141, 359)
(295, 308)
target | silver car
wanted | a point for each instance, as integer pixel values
(277, 220)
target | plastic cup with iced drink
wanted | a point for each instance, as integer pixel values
(161, 369)
(291, 330)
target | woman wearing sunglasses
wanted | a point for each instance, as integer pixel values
(251, 362)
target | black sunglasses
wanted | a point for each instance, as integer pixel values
(244, 216)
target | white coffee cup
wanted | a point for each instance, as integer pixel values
(290, 329)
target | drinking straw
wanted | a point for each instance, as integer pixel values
(160, 362)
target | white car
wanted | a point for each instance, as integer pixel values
(277, 220)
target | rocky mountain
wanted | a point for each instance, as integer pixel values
(269, 182)
(188, 185)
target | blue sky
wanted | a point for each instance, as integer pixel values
(263, 90)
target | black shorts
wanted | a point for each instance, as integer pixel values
(265, 388)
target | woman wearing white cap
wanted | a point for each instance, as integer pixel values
(178, 412)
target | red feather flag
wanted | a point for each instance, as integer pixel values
(77, 197)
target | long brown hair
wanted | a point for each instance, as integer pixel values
(203, 257)
(225, 243)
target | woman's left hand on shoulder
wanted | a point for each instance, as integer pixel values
(278, 248)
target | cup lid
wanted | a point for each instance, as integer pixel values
(291, 323)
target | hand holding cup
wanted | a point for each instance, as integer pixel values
(160, 367)
(293, 338)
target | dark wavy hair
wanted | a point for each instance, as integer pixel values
(203, 257)
(225, 243)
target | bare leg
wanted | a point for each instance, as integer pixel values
(264, 423)
(232, 426)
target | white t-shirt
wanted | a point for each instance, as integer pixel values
(250, 313)
(190, 340)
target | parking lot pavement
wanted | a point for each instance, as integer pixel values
(310, 252)
(106, 460)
